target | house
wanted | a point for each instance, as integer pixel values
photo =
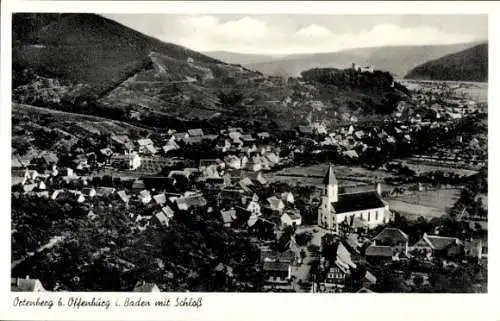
(291, 219)
(336, 208)
(89, 191)
(170, 146)
(228, 217)
(393, 237)
(252, 205)
(142, 286)
(130, 161)
(188, 201)
(364, 290)
(232, 161)
(246, 184)
(247, 138)
(26, 285)
(145, 196)
(273, 157)
(80, 198)
(123, 196)
(350, 154)
(476, 248)
(122, 143)
(180, 136)
(288, 197)
(263, 135)
(338, 268)
(44, 194)
(277, 274)
(260, 179)
(223, 145)
(194, 140)
(162, 218)
(197, 132)
(235, 129)
(379, 254)
(104, 191)
(440, 246)
(91, 215)
(275, 204)
(230, 196)
(306, 130)
(160, 198)
(107, 152)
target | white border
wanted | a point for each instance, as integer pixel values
(232, 306)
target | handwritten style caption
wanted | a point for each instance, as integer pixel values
(75, 302)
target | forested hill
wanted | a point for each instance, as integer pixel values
(375, 92)
(467, 65)
(85, 48)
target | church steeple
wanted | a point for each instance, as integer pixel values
(330, 178)
(331, 185)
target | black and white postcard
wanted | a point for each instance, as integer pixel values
(224, 157)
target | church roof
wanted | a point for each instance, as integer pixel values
(330, 178)
(357, 202)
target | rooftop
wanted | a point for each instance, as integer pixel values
(374, 250)
(357, 202)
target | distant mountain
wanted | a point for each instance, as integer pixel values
(397, 60)
(467, 65)
(240, 58)
(85, 63)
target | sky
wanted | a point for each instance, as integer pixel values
(279, 34)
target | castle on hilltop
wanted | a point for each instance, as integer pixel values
(359, 68)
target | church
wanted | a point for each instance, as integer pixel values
(367, 209)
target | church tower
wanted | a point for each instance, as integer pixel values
(326, 212)
(331, 186)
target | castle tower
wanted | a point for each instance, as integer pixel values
(331, 186)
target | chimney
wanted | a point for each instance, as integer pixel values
(379, 189)
(27, 277)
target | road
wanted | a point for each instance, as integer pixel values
(302, 272)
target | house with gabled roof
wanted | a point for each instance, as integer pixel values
(170, 146)
(195, 132)
(291, 218)
(228, 217)
(393, 237)
(123, 196)
(277, 274)
(162, 218)
(378, 254)
(440, 246)
(275, 204)
(26, 285)
(142, 286)
(145, 196)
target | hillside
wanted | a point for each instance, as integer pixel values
(85, 48)
(467, 65)
(84, 63)
(397, 60)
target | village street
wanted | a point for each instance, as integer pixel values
(302, 272)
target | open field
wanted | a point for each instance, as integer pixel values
(421, 166)
(428, 204)
(348, 176)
